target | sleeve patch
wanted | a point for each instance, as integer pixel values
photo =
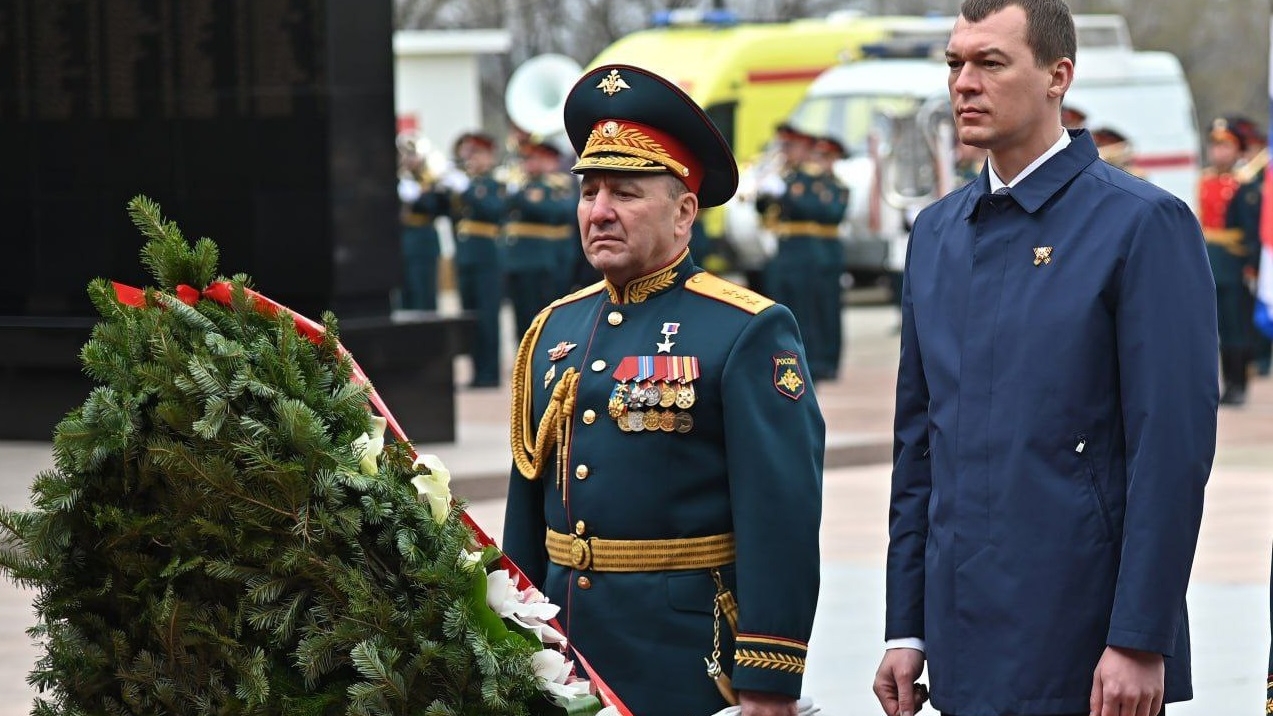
(788, 376)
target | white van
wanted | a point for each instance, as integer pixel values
(870, 104)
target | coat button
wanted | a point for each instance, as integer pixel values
(589, 416)
(580, 528)
(584, 583)
(598, 365)
(581, 472)
(615, 318)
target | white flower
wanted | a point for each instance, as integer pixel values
(528, 608)
(608, 711)
(469, 561)
(434, 487)
(556, 675)
(369, 447)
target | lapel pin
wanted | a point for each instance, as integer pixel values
(548, 377)
(1042, 255)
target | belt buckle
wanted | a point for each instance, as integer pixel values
(580, 552)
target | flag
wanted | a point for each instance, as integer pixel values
(1264, 285)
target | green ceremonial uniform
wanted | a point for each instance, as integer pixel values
(808, 216)
(420, 249)
(540, 225)
(478, 212)
(684, 413)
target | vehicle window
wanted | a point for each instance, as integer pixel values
(849, 117)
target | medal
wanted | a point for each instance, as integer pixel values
(651, 395)
(685, 396)
(618, 401)
(667, 421)
(636, 421)
(652, 419)
(684, 422)
(667, 395)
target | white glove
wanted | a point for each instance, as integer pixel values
(454, 181)
(409, 190)
(804, 707)
(771, 185)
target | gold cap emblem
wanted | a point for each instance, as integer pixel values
(613, 83)
(610, 129)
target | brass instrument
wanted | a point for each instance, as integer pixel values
(916, 155)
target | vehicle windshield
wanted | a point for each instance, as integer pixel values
(849, 117)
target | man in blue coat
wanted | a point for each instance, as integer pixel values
(1056, 408)
(668, 444)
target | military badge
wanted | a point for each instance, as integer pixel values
(560, 350)
(1042, 255)
(669, 330)
(788, 376)
(548, 377)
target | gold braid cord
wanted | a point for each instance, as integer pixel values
(531, 445)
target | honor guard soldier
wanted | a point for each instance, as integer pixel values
(1244, 213)
(1232, 255)
(540, 223)
(477, 208)
(835, 201)
(667, 443)
(422, 202)
(805, 208)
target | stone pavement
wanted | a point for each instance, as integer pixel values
(1228, 597)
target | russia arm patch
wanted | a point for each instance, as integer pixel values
(788, 376)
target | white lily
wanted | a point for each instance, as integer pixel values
(434, 487)
(555, 674)
(369, 447)
(528, 608)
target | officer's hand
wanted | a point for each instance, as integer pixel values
(772, 185)
(763, 703)
(1127, 682)
(895, 681)
(409, 190)
(454, 181)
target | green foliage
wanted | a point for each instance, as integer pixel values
(206, 545)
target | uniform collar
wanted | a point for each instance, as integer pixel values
(642, 287)
(1043, 182)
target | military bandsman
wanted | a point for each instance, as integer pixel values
(477, 210)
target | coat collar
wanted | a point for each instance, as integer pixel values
(641, 288)
(1043, 183)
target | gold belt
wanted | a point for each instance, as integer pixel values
(639, 555)
(478, 228)
(412, 219)
(807, 228)
(553, 232)
(1228, 239)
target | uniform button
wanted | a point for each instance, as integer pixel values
(580, 528)
(615, 318)
(584, 583)
(598, 365)
(589, 416)
(581, 472)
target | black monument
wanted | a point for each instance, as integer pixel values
(266, 125)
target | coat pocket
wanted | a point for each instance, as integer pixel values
(1083, 449)
(695, 590)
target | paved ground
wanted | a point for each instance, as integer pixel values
(1228, 598)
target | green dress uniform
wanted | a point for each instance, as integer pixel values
(420, 248)
(478, 212)
(835, 202)
(667, 443)
(540, 221)
(1244, 215)
(690, 453)
(808, 216)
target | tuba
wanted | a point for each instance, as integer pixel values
(536, 95)
(916, 160)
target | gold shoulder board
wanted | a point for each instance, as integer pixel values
(705, 284)
(584, 292)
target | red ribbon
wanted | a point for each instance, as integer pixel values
(221, 292)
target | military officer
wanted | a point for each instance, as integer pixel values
(667, 443)
(422, 202)
(1244, 213)
(805, 209)
(1231, 255)
(539, 223)
(477, 209)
